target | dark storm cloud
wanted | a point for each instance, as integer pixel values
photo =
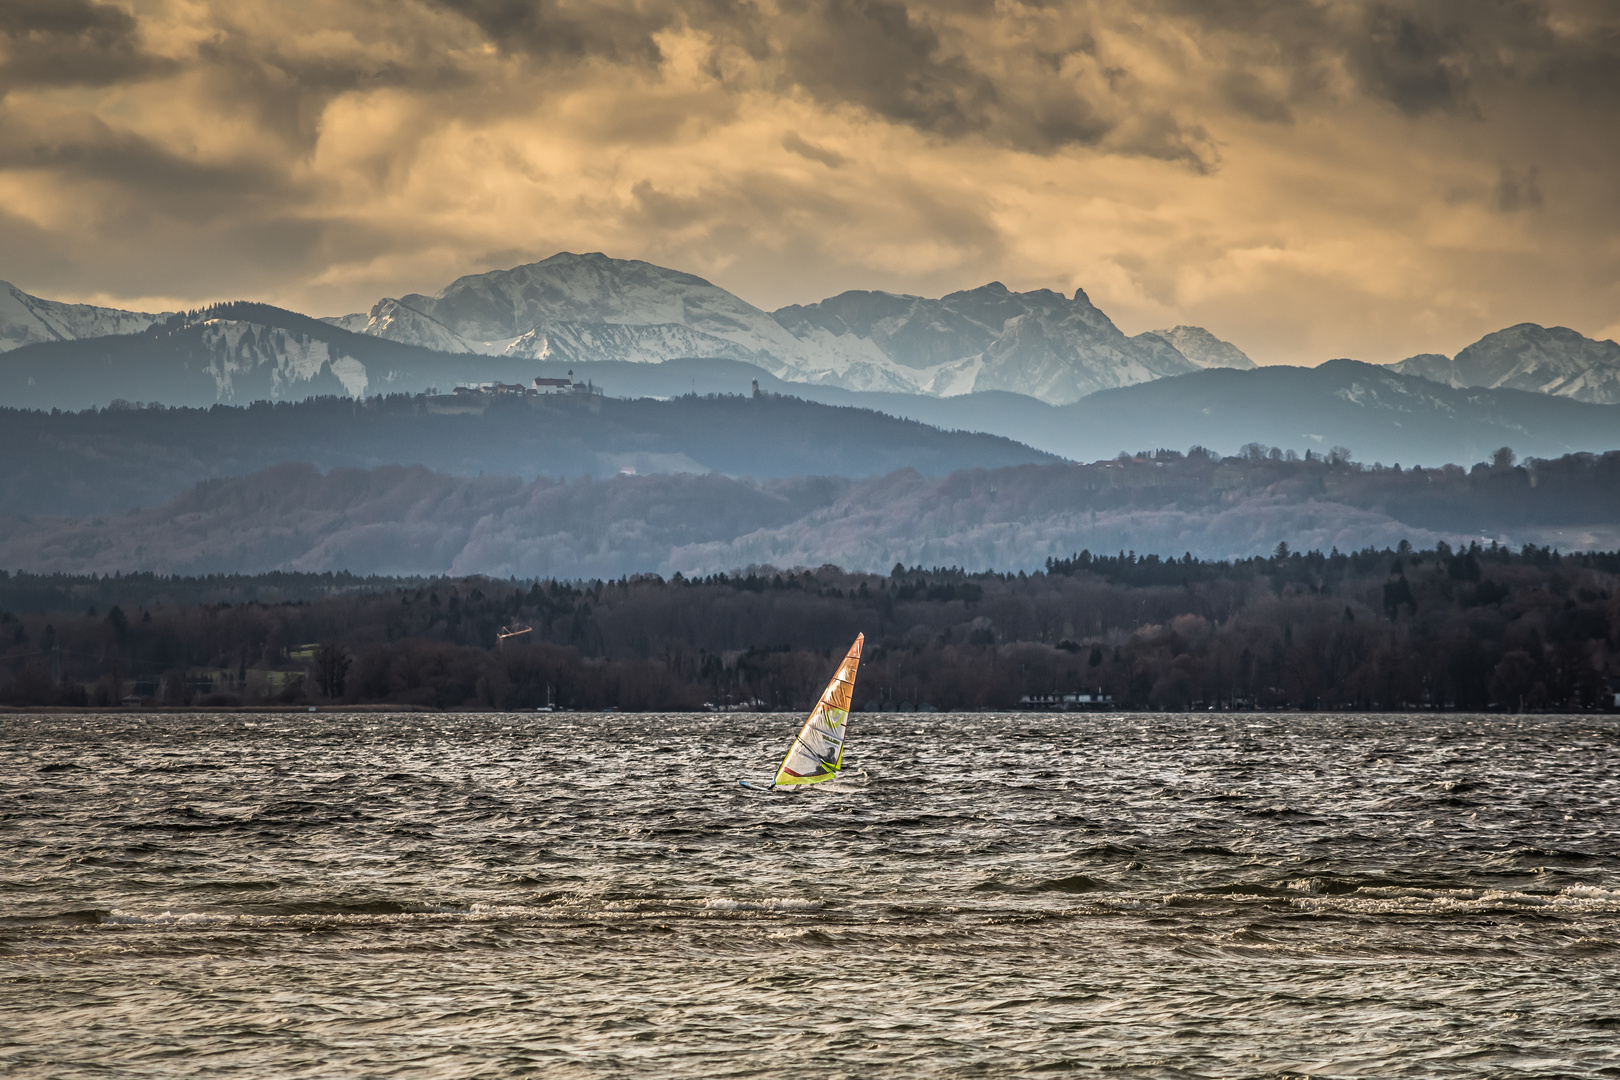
(365, 146)
(937, 66)
(70, 43)
(141, 168)
(1417, 63)
(877, 54)
(548, 29)
(1420, 56)
(903, 63)
(286, 92)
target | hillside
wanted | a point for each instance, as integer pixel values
(396, 520)
(1379, 414)
(115, 459)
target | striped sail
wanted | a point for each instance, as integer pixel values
(817, 752)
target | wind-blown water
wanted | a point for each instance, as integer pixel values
(291, 895)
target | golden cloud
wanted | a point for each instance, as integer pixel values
(1306, 179)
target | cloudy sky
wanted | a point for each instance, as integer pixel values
(1307, 178)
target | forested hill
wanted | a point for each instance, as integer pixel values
(115, 459)
(1473, 628)
(411, 520)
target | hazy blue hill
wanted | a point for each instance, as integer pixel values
(115, 459)
(1378, 414)
(398, 520)
(234, 353)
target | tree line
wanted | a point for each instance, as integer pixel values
(1472, 628)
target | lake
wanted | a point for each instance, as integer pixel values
(575, 895)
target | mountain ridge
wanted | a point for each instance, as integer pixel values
(579, 309)
(1038, 343)
(233, 353)
(1204, 348)
(1553, 360)
(27, 320)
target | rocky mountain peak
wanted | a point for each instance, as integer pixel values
(1544, 359)
(1204, 348)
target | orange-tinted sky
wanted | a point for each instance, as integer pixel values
(1307, 178)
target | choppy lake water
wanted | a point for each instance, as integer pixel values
(592, 896)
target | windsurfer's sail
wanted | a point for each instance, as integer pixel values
(817, 752)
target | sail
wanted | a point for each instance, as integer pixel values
(817, 752)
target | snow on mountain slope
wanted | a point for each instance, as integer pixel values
(576, 342)
(274, 363)
(990, 338)
(1203, 348)
(354, 324)
(620, 309)
(26, 319)
(232, 353)
(398, 321)
(1548, 360)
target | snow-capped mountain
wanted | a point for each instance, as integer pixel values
(26, 319)
(587, 305)
(1203, 348)
(990, 338)
(1545, 359)
(591, 307)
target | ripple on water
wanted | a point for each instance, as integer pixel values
(465, 894)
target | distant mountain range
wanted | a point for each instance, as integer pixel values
(1037, 366)
(1204, 348)
(577, 308)
(239, 353)
(573, 308)
(115, 459)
